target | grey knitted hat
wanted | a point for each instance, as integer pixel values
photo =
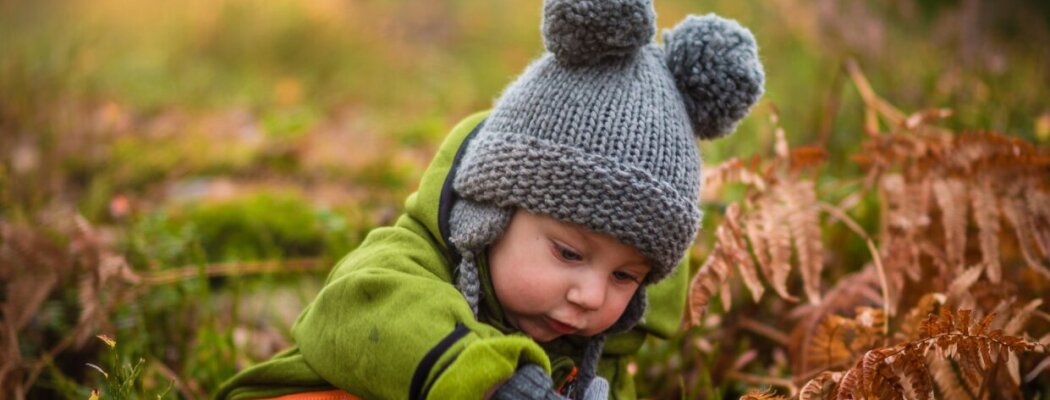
(600, 131)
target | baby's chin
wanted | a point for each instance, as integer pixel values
(541, 337)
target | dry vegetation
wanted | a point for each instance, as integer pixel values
(949, 305)
(178, 178)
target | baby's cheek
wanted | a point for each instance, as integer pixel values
(616, 307)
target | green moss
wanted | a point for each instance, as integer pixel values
(250, 226)
(255, 226)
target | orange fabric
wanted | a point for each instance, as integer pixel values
(568, 380)
(324, 395)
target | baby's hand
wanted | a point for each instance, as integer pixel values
(529, 382)
(597, 390)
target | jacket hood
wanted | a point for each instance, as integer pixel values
(432, 203)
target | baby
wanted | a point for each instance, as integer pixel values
(523, 264)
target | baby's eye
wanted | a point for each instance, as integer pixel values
(624, 276)
(567, 254)
(570, 255)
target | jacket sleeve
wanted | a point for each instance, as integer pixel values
(387, 308)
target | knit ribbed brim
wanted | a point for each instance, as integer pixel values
(513, 170)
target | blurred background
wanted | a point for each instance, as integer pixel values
(227, 152)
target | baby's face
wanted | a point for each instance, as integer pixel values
(555, 278)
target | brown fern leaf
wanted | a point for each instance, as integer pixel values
(930, 327)
(918, 210)
(1013, 367)
(748, 272)
(730, 171)
(959, 292)
(950, 195)
(854, 290)
(827, 348)
(1014, 210)
(912, 370)
(708, 280)
(726, 172)
(965, 360)
(1020, 318)
(805, 157)
(838, 341)
(851, 386)
(906, 218)
(878, 375)
(977, 354)
(1034, 372)
(1038, 202)
(804, 221)
(753, 228)
(986, 213)
(103, 283)
(735, 248)
(947, 381)
(821, 387)
(30, 268)
(912, 324)
(713, 276)
(981, 327)
(776, 237)
(963, 351)
(755, 394)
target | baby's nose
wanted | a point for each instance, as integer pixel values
(588, 293)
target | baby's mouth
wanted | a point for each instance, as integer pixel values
(560, 327)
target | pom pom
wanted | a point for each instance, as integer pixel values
(715, 64)
(586, 32)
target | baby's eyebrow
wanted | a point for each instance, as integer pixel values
(639, 263)
(581, 233)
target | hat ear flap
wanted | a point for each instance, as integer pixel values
(474, 226)
(714, 62)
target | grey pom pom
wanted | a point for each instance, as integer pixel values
(585, 32)
(716, 67)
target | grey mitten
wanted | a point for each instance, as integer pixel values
(529, 382)
(597, 390)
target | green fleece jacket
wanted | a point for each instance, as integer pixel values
(390, 324)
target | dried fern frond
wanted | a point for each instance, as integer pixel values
(820, 388)
(903, 370)
(756, 394)
(804, 221)
(1038, 203)
(713, 275)
(775, 238)
(907, 217)
(986, 214)
(860, 289)
(949, 194)
(781, 215)
(1017, 322)
(1026, 231)
(839, 341)
(30, 267)
(828, 347)
(943, 373)
(731, 171)
(105, 276)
